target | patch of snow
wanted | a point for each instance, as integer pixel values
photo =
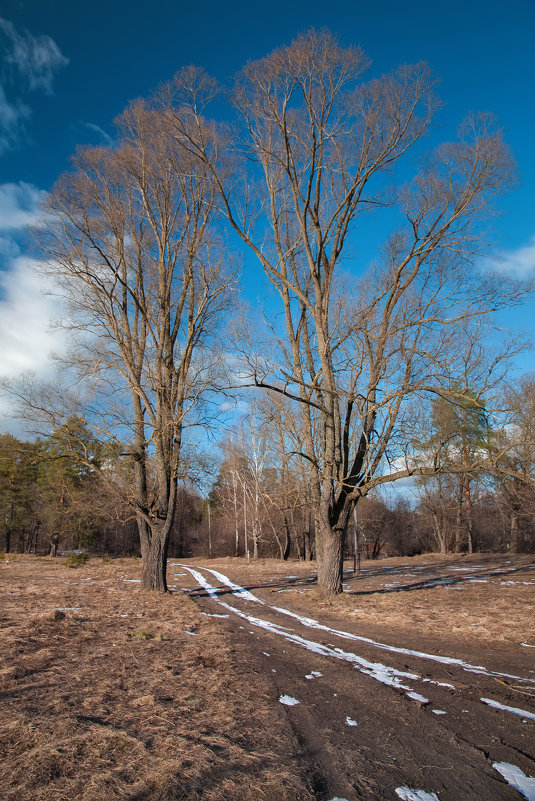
(132, 581)
(406, 794)
(439, 711)
(517, 779)
(67, 608)
(264, 652)
(213, 614)
(522, 713)
(287, 700)
(351, 722)
(526, 645)
(465, 569)
(417, 697)
(193, 633)
(440, 684)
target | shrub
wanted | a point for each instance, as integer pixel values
(77, 558)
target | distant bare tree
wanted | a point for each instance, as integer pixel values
(515, 463)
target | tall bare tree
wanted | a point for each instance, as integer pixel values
(312, 155)
(131, 239)
(319, 141)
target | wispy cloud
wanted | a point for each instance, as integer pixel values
(104, 138)
(19, 209)
(519, 263)
(29, 63)
(13, 115)
(19, 205)
(35, 58)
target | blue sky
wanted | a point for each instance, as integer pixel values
(68, 68)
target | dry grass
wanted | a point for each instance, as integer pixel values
(112, 693)
(130, 696)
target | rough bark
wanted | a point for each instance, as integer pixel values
(154, 568)
(331, 572)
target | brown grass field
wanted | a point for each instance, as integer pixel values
(108, 692)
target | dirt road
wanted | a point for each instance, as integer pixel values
(391, 716)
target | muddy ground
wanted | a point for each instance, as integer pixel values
(108, 692)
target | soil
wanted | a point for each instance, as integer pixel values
(109, 692)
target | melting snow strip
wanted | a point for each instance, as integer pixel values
(241, 592)
(517, 779)
(417, 697)
(406, 794)
(445, 660)
(386, 675)
(522, 713)
(439, 683)
(311, 623)
(213, 614)
(382, 673)
(351, 722)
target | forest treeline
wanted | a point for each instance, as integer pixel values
(258, 505)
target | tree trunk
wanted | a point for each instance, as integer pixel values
(54, 541)
(286, 552)
(330, 544)
(514, 532)
(356, 542)
(469, 516)
(154, 568)
(458, 520)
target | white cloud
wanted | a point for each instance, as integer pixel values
(25, 311)
(19, 206)
(519, 263)
(35, 58)
(29, 63)
(25, 318)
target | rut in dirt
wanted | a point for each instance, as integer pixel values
(420, 722)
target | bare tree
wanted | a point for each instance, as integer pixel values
(515, 462)
(317, 143)
(132, 241)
